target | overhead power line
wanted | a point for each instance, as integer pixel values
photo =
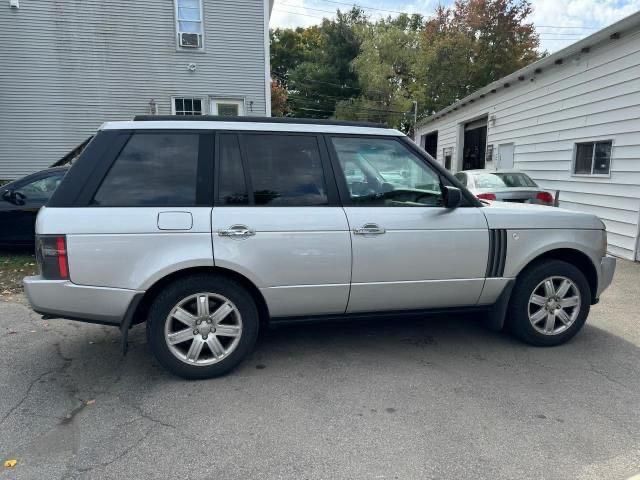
(366, 7)
(333, 12)
(298, 13)
(353, 109)
(576, 35)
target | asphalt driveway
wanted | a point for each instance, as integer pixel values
(432, 398)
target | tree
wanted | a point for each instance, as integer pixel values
(314, 64)
(354, 68)
(386, 71)
(287, 51)
(504, 40)
(279, 106)
(471, 45)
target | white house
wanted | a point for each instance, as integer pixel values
(570, 120)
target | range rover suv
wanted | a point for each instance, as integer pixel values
(209, 229)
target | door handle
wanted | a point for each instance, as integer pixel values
(237, 231)
(369, 229)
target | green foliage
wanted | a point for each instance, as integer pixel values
(354, 68)
(314, 64)
(471, 45)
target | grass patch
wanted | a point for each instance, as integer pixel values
(13, 267)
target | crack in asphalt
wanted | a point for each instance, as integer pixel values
(121, 455)
(26, 395)
(157, 421)
(592, 368)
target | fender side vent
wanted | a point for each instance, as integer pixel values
(497, 252)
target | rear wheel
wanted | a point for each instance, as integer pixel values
(550, 303)
(202, 326)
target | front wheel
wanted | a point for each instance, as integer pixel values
(202, 326)
(550, 303)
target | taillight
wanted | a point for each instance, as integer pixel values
(52, 257)
(486, 196)
(545, 197)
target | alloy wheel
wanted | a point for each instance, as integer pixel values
(554, 305)
(203, 329)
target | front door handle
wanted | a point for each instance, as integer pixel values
(369, 229)
(237, 231)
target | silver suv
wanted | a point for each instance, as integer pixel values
(210, 229)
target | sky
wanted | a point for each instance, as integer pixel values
(559, 22)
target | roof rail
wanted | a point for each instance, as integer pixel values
(217, 118)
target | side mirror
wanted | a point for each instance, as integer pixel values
(14, 197)
(19, 198)
(452, 197)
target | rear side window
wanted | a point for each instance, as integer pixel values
(152, 170)
(285, 170)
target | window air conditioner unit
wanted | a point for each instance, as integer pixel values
(190, 40)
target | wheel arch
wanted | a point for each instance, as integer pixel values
(576, 258)
(142, 308)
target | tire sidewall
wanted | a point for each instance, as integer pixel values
(518, 321)
(183, 288)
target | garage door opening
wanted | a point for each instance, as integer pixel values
(430, 143)
(475, 144)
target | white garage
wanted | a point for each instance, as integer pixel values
(570, 120)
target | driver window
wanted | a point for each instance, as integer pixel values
(42, 188)
(383, 172)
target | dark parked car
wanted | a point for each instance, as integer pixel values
(20, 201)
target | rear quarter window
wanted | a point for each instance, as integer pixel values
(152, 170)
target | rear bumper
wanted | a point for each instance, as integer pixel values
(607, 269)
(61, 298)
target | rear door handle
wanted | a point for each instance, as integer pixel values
(369, 229)
(237, 231)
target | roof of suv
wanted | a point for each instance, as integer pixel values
(209, 122)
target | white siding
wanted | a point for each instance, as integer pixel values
(591, 97)
(67, 66)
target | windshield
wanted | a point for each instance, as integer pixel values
(516, 179)
(488, 180)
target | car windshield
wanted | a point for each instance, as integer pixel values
(516, 179)
(488, 180)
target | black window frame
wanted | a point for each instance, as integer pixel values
(217, 201)
(204, 169)
(333, 198)
(593, 144)
(446, 178)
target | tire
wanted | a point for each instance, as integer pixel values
(528, 317)
(222, 312)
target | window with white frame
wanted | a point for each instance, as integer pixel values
(187, 106)
(593, 158)
(189, 24)
(227, 107)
